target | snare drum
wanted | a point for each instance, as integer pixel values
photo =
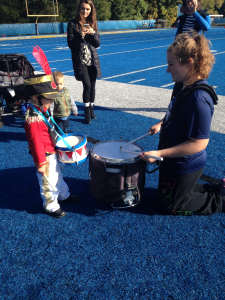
(76, 140)
(116, 177)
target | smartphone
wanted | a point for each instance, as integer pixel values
(85, 25)
(185, 9)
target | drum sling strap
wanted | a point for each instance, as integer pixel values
(46, 114)
(164, 141)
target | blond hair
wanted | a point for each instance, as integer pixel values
(57, 75)
(193, 46)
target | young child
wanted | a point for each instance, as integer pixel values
(42, 90)
(62, 106)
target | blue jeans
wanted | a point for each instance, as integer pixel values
(63, 124)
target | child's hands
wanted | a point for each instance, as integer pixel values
(76, 114)
(41, 170)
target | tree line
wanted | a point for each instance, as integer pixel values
(14, 11)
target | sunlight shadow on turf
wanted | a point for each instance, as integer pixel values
(20, 192)
(8, 136)
(12, 121)
(126, 109)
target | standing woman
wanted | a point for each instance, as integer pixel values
(185, 131)
(83, 39)
(197, 19)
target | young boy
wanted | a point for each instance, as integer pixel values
(62, 106)
(42, 90)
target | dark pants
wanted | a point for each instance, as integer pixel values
(89, 81)
(63, 124)
(182, 195)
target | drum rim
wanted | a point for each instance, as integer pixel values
(113, 160)
(73, 162)
(65, 149)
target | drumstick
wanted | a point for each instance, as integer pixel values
(50, 183)
(135, 140)
(137, 153)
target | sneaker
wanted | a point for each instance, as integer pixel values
(72, 198)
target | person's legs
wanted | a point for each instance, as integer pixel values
(66, 124)
(86, 93)
(92, 75)
(86, 84)
(54, 175)
(181, 194)
(59, 122)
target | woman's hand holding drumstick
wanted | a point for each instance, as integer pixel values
(146, 156)
(155, 128)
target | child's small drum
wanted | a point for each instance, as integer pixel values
(116, 177)
(76, 140)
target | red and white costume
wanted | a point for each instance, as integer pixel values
(43, 152)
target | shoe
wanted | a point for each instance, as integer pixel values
(56, 214)
(87, 115)
(72, 198)
(93, 116)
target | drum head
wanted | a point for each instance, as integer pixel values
(73, 139)
(109, 151)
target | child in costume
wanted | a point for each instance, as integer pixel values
(63, 105)
(42, 90)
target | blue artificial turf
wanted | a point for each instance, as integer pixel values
(96, 252)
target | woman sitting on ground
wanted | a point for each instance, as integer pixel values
(185, 131)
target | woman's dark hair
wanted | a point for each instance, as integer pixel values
(91, 19)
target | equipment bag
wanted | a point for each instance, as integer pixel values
(13, 69)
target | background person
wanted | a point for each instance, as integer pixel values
(62, 106)
(185, 133)
(197, 19)
(83, 42)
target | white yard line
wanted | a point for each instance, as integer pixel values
(219, 53)
(136, 80)
(134, 72)
(163, 86)
(133, 50)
